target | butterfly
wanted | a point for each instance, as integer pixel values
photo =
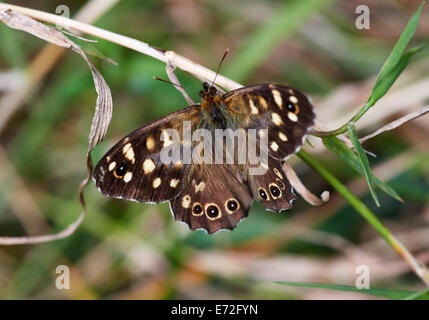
(212, 195)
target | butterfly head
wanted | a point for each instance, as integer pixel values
(211, 103)
(208, 91)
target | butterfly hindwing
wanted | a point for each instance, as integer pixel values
(214, 198)
(285, 112)
(272, 188)
(133, 170)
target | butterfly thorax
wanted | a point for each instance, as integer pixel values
(213, 111)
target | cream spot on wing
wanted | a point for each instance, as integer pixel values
(156, 182)
(276, 119)
(178, 163)
(148, 166)
(112, 166)
(278, 174)
(277, 98)
(186, 201)
(253, 109)
(292, 116)
(150, 143)
(130, 155)
(274, 146)
(126, 148)
(293, 99)
(200, 187)
(174, 183)
(263, 103)
(128, 176)
(282, 136)
(108, 158)
(166, 138)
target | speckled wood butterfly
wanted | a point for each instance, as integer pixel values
(212, 195)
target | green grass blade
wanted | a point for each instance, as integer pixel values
(398, 50)
(337, 147)
(384, 83)
(390, 294)
(389, 72)
(364, 161)
(424, 294)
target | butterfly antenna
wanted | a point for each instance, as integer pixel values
(174, 84)
(220, 64)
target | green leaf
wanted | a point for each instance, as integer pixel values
(390, 294)
(364, 161)
(337, 147)
(396, 62)
(384, 83)
(424, 294)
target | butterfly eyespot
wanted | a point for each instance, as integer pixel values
(291, 107)
(197, 209)
(280, 184)
(263, 194)
(275, 191)
(213, 211)
(121, 170)
(232, 205)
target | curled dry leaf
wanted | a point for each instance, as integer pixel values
(100, 120)
(302, 189)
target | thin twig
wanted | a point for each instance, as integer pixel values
(169, 68)
(139, 46)
(397, 123)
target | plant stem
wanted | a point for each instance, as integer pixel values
(420, 270)
(344, 127)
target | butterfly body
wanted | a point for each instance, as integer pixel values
(216, 193)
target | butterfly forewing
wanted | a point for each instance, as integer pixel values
(285, 112)
(133, 170)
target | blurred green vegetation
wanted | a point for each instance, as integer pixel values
(129, 250)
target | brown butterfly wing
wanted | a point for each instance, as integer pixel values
(132, 168)
(285, 112)
(215, 198)
(272, 188)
